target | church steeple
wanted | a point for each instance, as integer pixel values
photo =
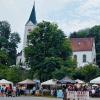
(32, 17)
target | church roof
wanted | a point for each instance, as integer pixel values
(82, 44)
(32, 17)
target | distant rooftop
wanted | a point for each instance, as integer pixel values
(82, 44)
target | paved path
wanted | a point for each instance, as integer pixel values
(35, 98)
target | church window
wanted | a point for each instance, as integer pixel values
(84, 58)
(75, 57)
(94, 60)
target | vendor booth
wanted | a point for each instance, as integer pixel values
(95, 81)
(49, 87)
(51, 82)
(79, 81)
(5, 82)
(26, 86)
(63, 82)
(26, 82)
(66, 80)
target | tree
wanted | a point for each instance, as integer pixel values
(14, 39)
(3, 58)
(47, 49)
(86, 73)
(5, 29)
(95, 32)
(13, 73)
(67, 68)
(80, 34)
(8, 44)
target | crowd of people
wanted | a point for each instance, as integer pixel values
(10, 90)
(6, 90)
(95, 91)
(73, 87)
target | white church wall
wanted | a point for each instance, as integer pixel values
(18, 60)
(94, 53)
(89, 58)
(28, 28)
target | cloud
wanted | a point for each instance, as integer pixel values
(70, 15)
(90, 5)
(76, 25)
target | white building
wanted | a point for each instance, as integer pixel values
(19, 58)
(29, 26)
(83, 51)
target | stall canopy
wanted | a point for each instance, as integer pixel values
(96, 80)
(27, 81)
(95, 85)
(3, 81)
(50, 82)
(79, 81)
(66, 80)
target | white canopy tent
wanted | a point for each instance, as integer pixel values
(5, 82)
(51, 82)
(94, 85)
(79, 81)
(96, 80)
(27, 81)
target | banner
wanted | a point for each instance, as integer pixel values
(78, 95)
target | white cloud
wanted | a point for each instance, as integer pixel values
(90, 4)
(71, 15)
(76, 25)
(90, 7)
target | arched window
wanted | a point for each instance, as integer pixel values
(75, 57)
(84, 58)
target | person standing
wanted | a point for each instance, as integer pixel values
(64, 92)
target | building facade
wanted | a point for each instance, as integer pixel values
(83, 51)
(29, 26)
(83, 48)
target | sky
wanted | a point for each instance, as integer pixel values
(70, 15)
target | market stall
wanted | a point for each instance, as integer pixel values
(95, 81)
(5, 82)
(49, 87)
(26, 86)
(66, 80)
(51, 82)
(79, 81)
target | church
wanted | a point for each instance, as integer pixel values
(29, 26)
(83, 49)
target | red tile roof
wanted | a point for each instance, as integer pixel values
(82, 44)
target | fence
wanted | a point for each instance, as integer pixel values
(77, 95)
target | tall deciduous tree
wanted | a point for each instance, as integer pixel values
(8, 44)
(14, 39)
(48, 49)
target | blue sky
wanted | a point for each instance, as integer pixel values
(70, 15)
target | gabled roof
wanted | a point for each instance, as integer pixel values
(32, 17)
(82, 44)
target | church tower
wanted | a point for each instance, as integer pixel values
(29, 26)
